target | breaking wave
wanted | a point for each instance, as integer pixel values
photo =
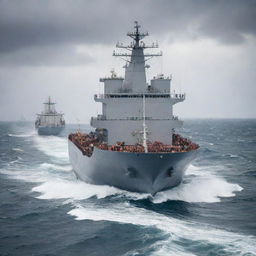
(18, 149)
(32, 133)
(53, 146)
(49, 166)
(203, 186)
(76, 190)
(59, 182)
(15, 161)
(180, 231)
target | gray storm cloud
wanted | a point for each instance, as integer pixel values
(61, 48)
(66, 55)
(55, 23)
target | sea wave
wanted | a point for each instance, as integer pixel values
(230, 155)
(183, 233)
(15, 161)
(18, 149)
(50, 166)
(32, 133)
(208, 189)
(76, 190)
(53, 146)
(55, 180)
(58, 181)
(204, 187)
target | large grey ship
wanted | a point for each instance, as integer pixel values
(134, 145)
(49, 121)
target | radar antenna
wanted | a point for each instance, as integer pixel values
(137, 36)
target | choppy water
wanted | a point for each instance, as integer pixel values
(44, 210)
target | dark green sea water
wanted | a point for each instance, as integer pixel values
(45, 210)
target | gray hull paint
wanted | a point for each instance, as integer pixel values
(50, 130)
(138, 172)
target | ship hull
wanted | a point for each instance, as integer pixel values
(137, 172)
(47, 130)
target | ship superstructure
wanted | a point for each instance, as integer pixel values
(122, 101)
(134, 145)
(49, 121)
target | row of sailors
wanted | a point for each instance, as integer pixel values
(86, 143)
(155, 147)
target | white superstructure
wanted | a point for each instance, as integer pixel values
(132, 109)
(49, 117)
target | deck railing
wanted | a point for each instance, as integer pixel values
(176, 96)
(135, 118)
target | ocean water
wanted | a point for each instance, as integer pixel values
(45, 210)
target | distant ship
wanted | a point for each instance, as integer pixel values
(49, 122)
(134, 146)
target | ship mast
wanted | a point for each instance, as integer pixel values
(135, 75)
(144, 127)
(49, 106)
(137, 36)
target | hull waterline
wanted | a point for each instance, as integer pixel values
(136, 172)
(47, 131)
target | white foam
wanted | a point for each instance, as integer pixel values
(193, 170)
(53, 146)
(17, 149)
(204, 187)
(32, 133)
(178, 230)
(26, 175)
(207, 190)
(230, 155)
(65, 186)
(233, 156)
(42, 173)
(15, 161)
(77, 190)
(47, 166)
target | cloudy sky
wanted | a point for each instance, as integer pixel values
(62, 47)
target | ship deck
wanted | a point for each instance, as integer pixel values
(87, 142)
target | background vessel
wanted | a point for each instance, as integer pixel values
(49, 122)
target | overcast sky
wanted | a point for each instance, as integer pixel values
(62, 47)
